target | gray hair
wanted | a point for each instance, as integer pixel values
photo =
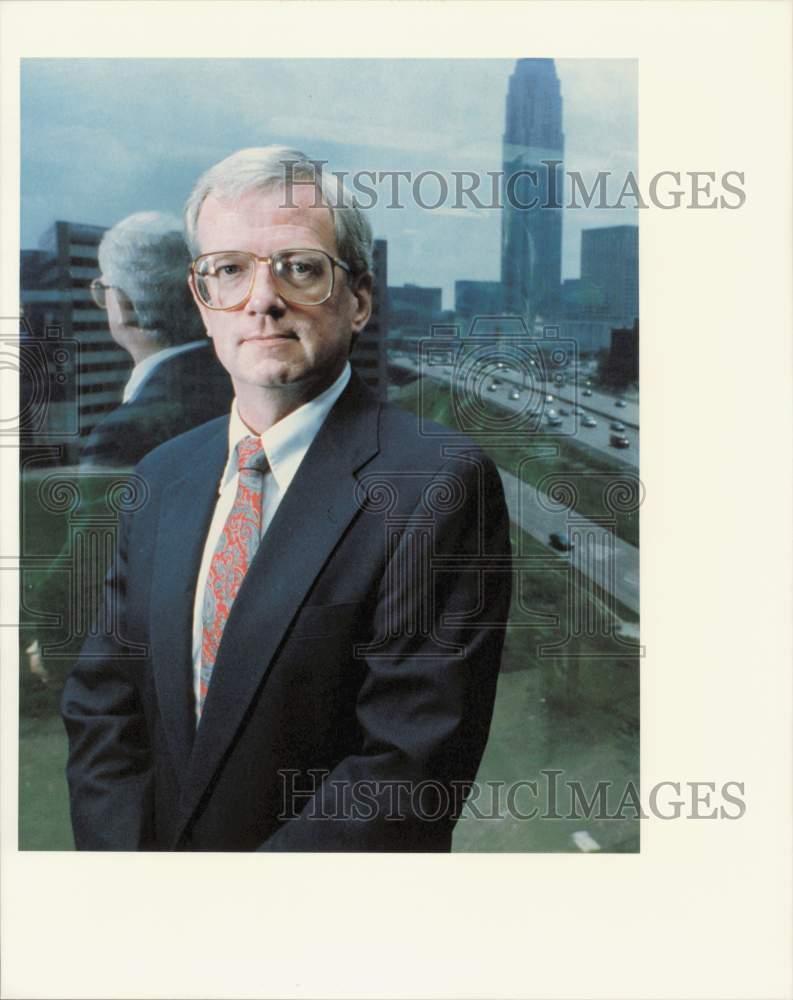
(266, 167)
(146, 257)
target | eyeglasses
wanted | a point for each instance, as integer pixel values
(99, 292)
(224, 279)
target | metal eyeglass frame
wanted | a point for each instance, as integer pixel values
(269, 262)
(93, 288)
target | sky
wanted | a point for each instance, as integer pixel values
(102, 138)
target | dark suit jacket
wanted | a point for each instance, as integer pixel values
(182, 392)
(353, 689)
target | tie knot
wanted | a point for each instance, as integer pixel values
(250, 454)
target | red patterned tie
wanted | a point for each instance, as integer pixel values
(233, 554)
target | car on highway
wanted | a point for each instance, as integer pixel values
(549, 399)
(514, 394)
(579, 412)
(493, 386)
(562, 411)
(617, 425)
(587, 392)
(553, 419)
(560, 541)
(620, 402)
(619, 441)
(588, 421)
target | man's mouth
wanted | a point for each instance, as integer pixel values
(270, 338)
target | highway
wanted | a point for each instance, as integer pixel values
(609, 562)
(606, 560)
(600, 406)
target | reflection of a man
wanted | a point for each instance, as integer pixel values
(176, 382)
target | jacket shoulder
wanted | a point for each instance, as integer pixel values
(172, 454)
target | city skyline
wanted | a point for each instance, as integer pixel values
(144, 154)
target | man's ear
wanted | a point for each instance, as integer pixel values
(124, 314)
(362, 292)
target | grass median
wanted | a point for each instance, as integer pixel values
(532, 456)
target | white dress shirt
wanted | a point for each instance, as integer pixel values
(285, 445)
(143, 369)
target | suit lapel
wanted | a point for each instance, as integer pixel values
(187, 506)
(311, 518)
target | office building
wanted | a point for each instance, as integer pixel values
(610, 263)
(582, 300)
(621, 368)
(590, 335)
(478, 298)
(57, 307)
(368, 357)
(414, 306)
(531, 228)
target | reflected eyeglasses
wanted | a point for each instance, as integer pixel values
(99, 292)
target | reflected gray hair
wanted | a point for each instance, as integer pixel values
(263, 168)
(146, 257)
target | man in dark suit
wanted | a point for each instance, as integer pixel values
(316, 591)
(176, 382)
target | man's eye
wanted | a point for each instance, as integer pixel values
(227, 270)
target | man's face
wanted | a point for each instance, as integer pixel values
(120, 314)
(268, 342)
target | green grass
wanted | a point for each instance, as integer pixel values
(536, 456)
(529, 735)
(44, 823)
(588, 670)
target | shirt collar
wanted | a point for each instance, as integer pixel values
(144, 368)
(287, 441)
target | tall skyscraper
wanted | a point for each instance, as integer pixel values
(531, 228)
(610, 263)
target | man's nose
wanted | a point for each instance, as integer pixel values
(264, 294)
